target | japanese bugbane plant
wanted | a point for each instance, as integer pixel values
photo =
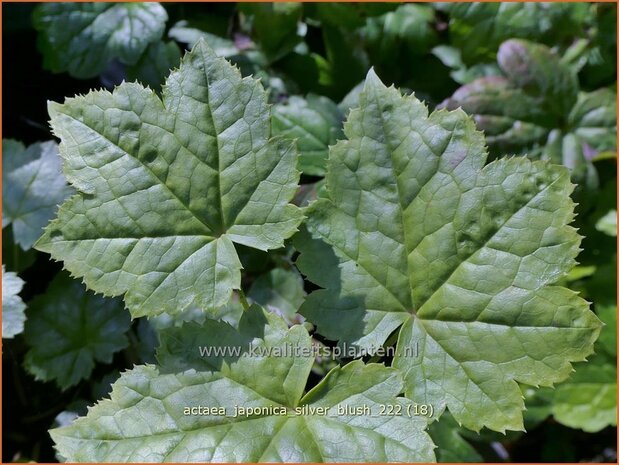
(416, 242)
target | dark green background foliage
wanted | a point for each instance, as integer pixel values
(538, 79)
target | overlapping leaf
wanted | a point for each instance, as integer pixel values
(519, 109)
(479, 28)
(145, 420)
(510, 119)
(13, 307)
(316, 122)
(167, 186)
(535, 109)
(451, 446)
(32, 188)
(280, 291)
(69, 329)
(462, 254)
(588, 400)
(82, 38)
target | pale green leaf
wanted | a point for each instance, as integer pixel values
(82, 38)
(183, 32)
(280, 291)
(580, 272)
(32, 188)
(145, 418)
(351, 99)
(168, 186)
(13, 316)
(230, 312)
(69, 329)
(462, 254)
(316, 123)
(317, 260)
(589, 399)
(608, 223)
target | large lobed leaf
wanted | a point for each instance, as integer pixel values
(32, 188)
(82, 38)
(167, 186)
(462, 255)
(144, 419)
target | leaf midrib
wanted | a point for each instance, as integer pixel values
(386, 141)
(209, 112)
